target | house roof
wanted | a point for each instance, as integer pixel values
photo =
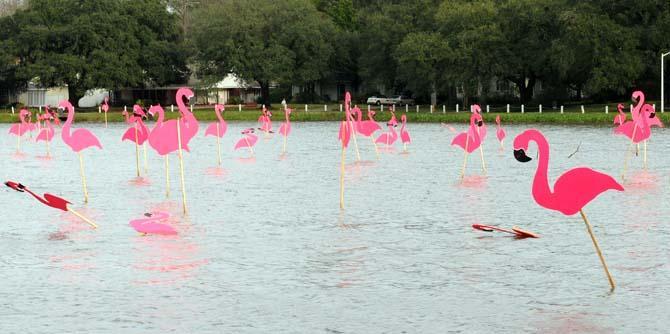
(233, 81)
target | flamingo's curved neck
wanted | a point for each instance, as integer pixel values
(541, 188)
(185, 112)
(218, 115)
(68, 122)
(161, 116)
(42, 200)
(402, 128)
(636, 110)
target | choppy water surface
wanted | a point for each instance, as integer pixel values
(265, 247)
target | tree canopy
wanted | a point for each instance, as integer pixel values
(94, 44)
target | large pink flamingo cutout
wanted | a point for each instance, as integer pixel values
(78, 140)
(105, 108)
(285, 128)
(218, 129)
(500, 133)
(151, 225)
(21, 128)
(137, 133)
(343, 136)
(47, 133)
(248, 140)
(571, 192)
(404, 134)
(50, 200)
(469, 140)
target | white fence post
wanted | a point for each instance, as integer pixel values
(631, 108)
(172, 108)
(406, 108)
(368, 108)
(457, 107)
(99, 109)
(508, 108)
(444, 109)
(417, 108)
(12, 110)
(124, 109)
(239, 107)
(540, 107)
(325, 107)
(522, 108)
(654, 106)
(306, 108)
(431, 108)
(487, 109)
(561, 109)
(191, 109)
(381, 106)
(582, 106)
(340, 107)
(607, 109)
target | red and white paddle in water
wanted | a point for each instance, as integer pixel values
(519, 233)
(50, 200)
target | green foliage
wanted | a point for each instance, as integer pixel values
(286, 41)
(95, 44)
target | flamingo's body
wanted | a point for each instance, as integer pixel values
(500, 132)
(219, 128)
(105, 105)
(285, 128)
(163, 136)
(138, 132)
(79, 139)
(573, 190)
(47, 132)
(249, 140)
(265, 121)
(470, 140)
(151, 224)
(620, 118)
(368, 127)
(404, 134)
(391, 135)
(23, 126)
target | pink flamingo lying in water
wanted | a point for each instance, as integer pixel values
(469, 140)
(500, 133)
(248, 141)
(137, 133)
(47, 133)
(285, 128)
(49, 200)
(404, 134)
(218, 129)
(572, 190)
(151, 225)
(21, 128)
(78, 140)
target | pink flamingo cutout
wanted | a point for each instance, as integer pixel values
(151, 224)
(105, 107)
(46, 134)
(343, 136)
(265, 121)
(78, 140)
(368, 127)
(21, 128)
(218, 128)
(249, 140)
(500, 132)
(49, 200)
(285, 128)
(469, 140)
(572, 190)
(163, 136)
(391, 135)
(620, 118)
(137, 133)
(404, 134)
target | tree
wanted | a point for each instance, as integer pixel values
(283, 42)
(96, 44)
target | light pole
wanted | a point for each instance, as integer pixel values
(663, 82)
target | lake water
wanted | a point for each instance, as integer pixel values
(266, 249)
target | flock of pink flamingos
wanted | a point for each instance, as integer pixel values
(569, 194)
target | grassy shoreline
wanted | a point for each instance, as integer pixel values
(569, 117)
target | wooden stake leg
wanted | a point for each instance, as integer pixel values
(342, 179)
(83, 177)
(82, 217)
(181, 168)
(600, 254)
(167, 176)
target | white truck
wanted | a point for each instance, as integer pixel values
(397, 100)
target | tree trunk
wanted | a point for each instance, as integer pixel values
(75, 93)
(526, 90)
(265, 92)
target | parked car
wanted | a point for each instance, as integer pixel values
(397, 100)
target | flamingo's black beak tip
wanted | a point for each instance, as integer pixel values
(147, 214)
(520, 155)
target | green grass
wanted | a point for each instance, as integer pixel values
(593, 115)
